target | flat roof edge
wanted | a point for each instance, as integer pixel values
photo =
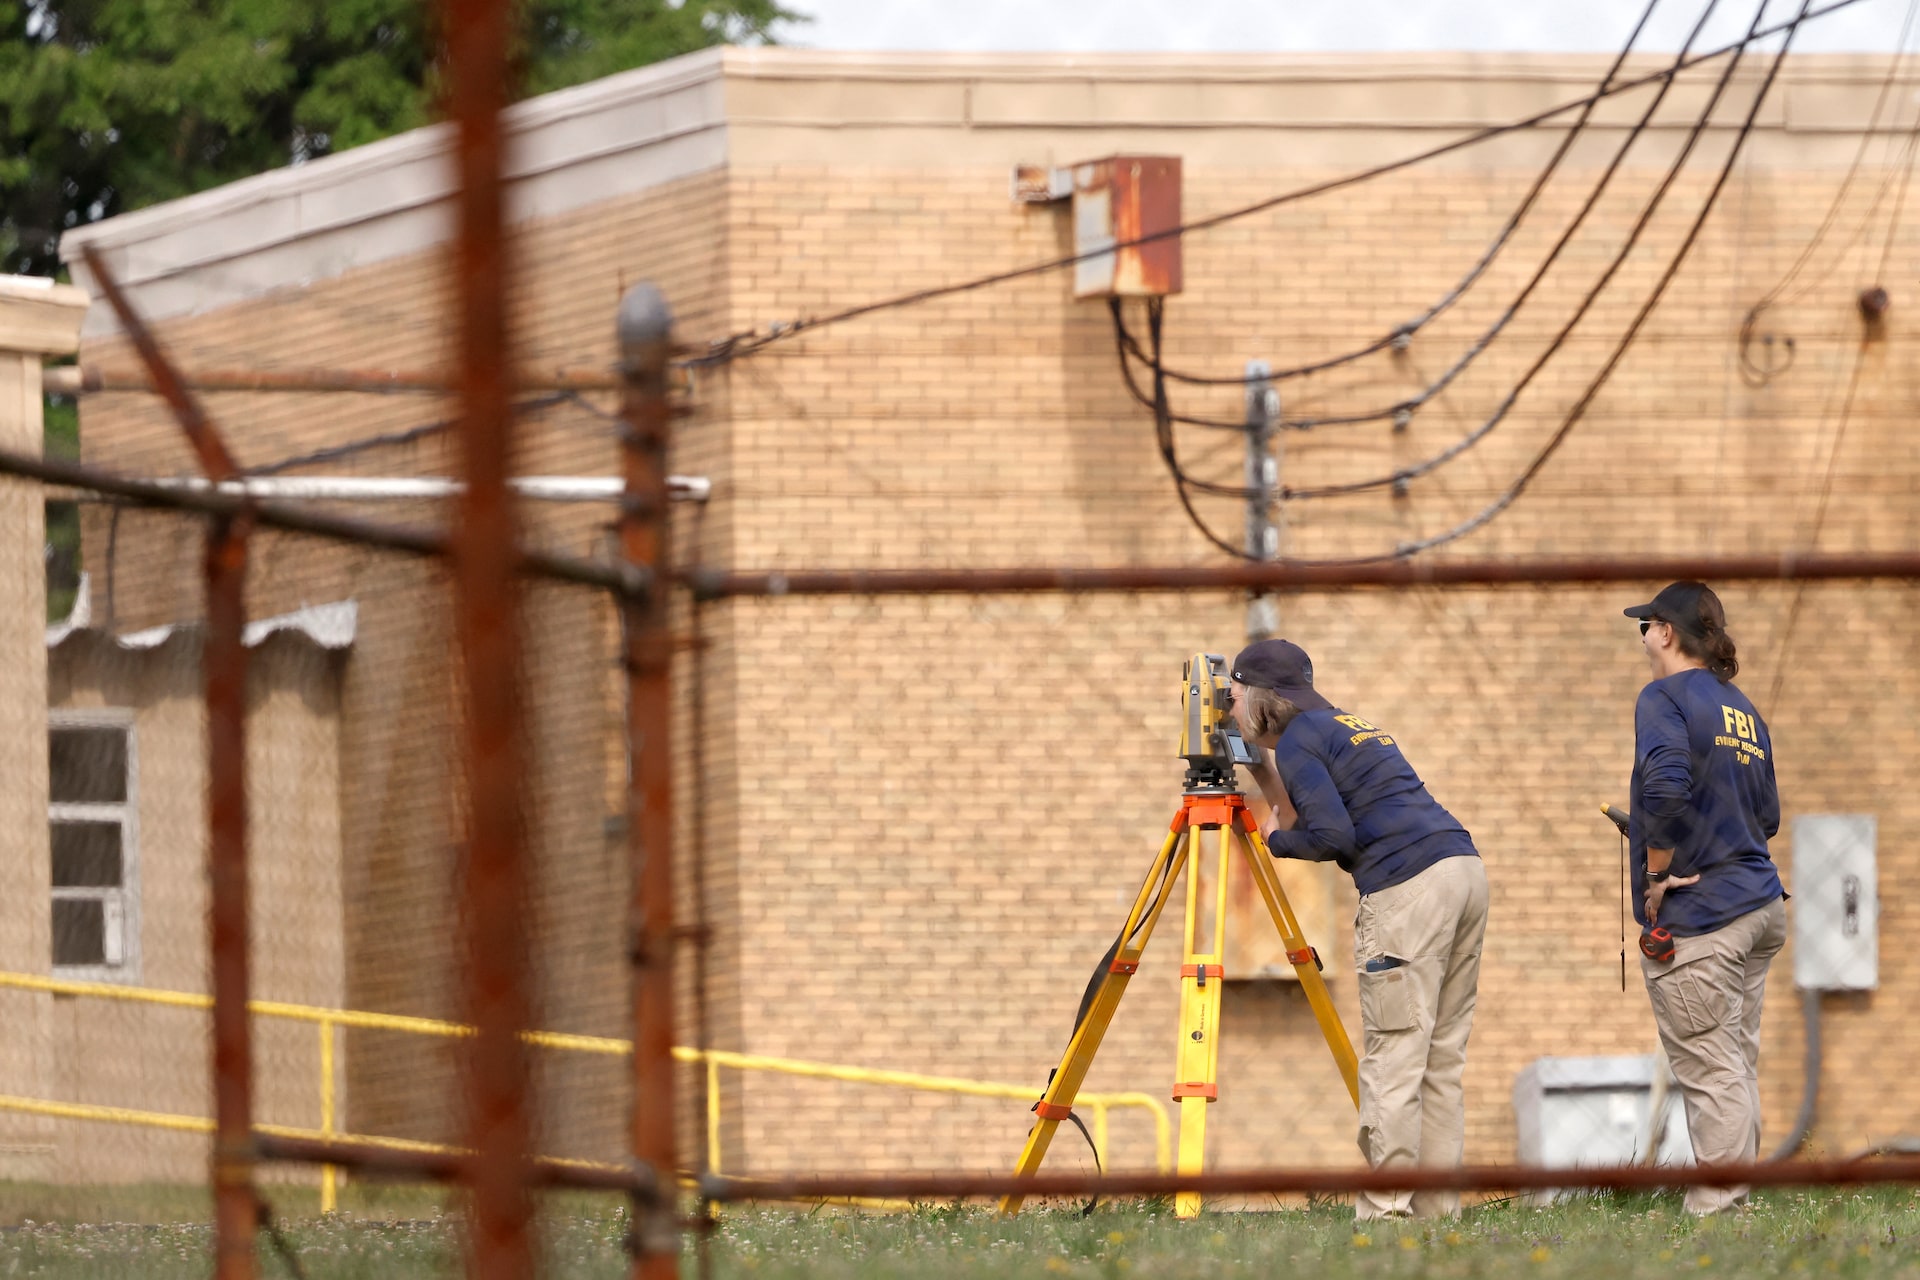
(642, 129)
(391, 198)
(401, 151)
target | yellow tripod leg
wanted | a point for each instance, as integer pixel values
(1196, 1082)
(1064, 1087)
(1260, 863)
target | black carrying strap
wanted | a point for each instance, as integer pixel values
(1100, 972)
(1081, 1125)
(1079, 1019)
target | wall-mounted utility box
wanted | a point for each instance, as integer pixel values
(1836, 902)
(1583, 1112)
(1118, 200)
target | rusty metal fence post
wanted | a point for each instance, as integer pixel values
(487, 612)
(236, 1210)
(644, 329)
(236, 1207)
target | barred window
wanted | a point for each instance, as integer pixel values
(94, 838)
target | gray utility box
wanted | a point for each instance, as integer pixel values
(1586, 1112)
(1836, 902)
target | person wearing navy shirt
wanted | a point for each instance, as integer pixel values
(1340, 790)
(1704, 804)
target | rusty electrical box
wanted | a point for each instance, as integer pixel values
(1116, 201)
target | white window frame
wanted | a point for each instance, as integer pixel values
(123, 902)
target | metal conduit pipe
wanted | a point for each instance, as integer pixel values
(1810, 1088)
(1810, 1095)
(399, 488)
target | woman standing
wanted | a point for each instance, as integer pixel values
(1704, 805)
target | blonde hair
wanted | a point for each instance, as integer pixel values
(1268, 712)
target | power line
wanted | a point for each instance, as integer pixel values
(1163, 418)
(1506, 499)
(1405, 475)
(1402, 411)
(1414, 404)
(1839, 434)
(409, 435)
(1163, 431)
(1754, 373)
(742, 345)
(1493, 510)
(1403, 333)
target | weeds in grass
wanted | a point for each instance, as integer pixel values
(1810, 1234)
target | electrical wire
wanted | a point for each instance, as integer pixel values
(1164, 436)
(1402, 411)
(1826, 487)
(1403, 476)
(1833, 450)
(1129, 348)
(394, 439)
(742, 345)
(1506, 499)
(1402, 333)
(1493, 510)
(1753, 372)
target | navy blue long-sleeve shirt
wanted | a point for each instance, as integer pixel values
(1360, 803)
(1703, 786)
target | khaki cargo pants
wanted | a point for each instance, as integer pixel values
(1414, 1018)
(1706, 1002)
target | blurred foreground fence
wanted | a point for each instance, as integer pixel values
(469, 825)
(388, 942)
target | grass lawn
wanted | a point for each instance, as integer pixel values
(398, 1232)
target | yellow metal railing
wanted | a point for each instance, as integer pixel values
(327, 1021)
(200, 1124)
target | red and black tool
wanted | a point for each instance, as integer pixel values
(1656, 944)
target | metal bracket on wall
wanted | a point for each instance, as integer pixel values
(1040, 184)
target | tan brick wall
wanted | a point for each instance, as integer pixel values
(399, 818)
(941, 804)
(923, 818)
(155, 1058)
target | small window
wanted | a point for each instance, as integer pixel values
(93, 835)
(88, 765)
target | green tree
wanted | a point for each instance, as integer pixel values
(110, 105)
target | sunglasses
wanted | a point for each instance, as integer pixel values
(1648, 622)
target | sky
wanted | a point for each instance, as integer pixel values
(1107, 26)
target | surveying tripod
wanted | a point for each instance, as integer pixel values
(1212, 802)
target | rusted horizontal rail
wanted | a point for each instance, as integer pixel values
(446, 1166)
(957, 1186)
(716, 584)
(618, 579)
(711, 584)
(439, 1166)
(70, 380)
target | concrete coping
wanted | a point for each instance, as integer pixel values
(39, 317)
(639, 130)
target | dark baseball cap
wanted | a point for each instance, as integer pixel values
(1282, 666)
(1678, 603)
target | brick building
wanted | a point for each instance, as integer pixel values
(919, 820)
